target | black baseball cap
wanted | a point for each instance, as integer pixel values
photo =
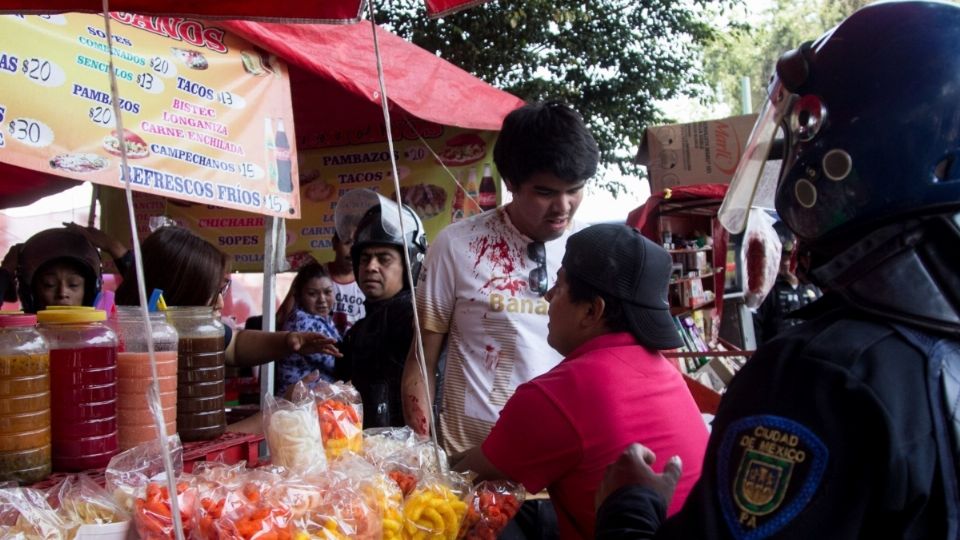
(619, 261)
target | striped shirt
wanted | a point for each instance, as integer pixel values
(473, 287)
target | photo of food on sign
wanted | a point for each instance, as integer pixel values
(463, 149)
(136, 146)
(427, 200)
(258, 62)
(79, 162)
(192, 59)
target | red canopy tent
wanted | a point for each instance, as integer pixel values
(275, 10)
(335, 92)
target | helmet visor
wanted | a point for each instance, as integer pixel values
(354, 204)
(755, 180)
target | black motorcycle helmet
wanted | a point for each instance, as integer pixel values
(52, 246)
(374, 230)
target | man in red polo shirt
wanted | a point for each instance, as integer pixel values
(609, 316)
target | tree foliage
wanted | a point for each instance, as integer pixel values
(610, 59)
(752, 49)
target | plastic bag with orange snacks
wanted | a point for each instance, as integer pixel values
(241, 506)
(435, 509)
(492, 504)
(153, 516)
(341, 418)
(129, 472)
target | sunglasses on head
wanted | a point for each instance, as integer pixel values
(537, 280)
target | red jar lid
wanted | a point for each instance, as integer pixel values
(17, 319)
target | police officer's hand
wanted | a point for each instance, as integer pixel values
(312, 343)
(633, 467)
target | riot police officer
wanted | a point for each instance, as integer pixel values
(847, 425)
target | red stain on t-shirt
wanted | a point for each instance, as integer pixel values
(497, 251)
(505, 283)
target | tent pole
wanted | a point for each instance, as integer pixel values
(92, 215)
(270, 259)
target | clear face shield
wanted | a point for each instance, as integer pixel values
(755, 180)
(354, 204)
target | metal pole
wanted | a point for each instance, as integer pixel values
(745, 102)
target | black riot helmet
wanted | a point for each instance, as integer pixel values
(378, 225)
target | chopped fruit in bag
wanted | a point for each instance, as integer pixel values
(492, 505)
(406, 482)
(341, 418)
(153, 517)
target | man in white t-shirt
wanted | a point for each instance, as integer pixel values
(348, 298)
(482, 284)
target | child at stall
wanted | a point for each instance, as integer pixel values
(312, 297)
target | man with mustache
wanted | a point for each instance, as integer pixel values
(484, 278)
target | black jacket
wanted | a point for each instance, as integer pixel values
(829, 431)
(374, 351)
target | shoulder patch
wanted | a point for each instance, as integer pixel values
(769, 468)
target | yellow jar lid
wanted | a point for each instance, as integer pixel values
(70, 315)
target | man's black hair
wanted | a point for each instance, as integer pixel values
(613, 315)
(545, 137)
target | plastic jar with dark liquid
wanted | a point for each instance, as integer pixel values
(83, 386)
(200, 373)
(25, 450)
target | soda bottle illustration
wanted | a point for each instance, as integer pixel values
(470, 204)
(284, 177)
(456, 210)
(270, 146)
(488, 190)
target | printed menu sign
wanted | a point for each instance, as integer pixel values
(326, 174)
(207, 116)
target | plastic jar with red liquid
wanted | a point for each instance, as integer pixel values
(24, 400)
(200, 373)
(83, 386)
(134, 376)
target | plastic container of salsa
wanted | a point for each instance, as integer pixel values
(24, 400)
(83, 383)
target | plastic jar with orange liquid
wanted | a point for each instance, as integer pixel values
(200, 373)
(24, 400)
(134, 377)
(83, 386)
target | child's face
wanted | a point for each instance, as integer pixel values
(316, 297)
(59, 285)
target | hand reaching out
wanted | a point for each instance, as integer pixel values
(312, 343)
(634, 467)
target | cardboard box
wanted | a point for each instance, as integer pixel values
(697, 153)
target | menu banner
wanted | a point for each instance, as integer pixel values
(468, 185)
(206, 116)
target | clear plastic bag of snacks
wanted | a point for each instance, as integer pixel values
(81, 501)
(490, 506)
(292, 429)
(380, 444)
(241, 506)
(349, 503)
(129, 472)
(25, 514)
(153, 514)
(341, 418)
(435, 509)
